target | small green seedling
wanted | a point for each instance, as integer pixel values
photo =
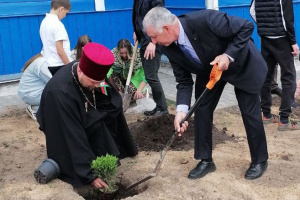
(105, 167)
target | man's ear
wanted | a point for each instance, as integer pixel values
(166, 28)
(79, 72)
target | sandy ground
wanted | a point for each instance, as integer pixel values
(22, 148)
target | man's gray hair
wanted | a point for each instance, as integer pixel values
(157, 18)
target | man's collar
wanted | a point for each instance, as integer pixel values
(181, 37)
(52, 15)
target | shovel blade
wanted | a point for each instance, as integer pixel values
(126, 101)
(146, 178)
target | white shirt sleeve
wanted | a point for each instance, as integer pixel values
(182, 108)
(60, 33)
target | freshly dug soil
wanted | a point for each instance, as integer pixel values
(152, 134)
(23, 148)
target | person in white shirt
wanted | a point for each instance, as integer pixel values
(33, 81)
(55, 39)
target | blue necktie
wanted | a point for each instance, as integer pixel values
(187, 54)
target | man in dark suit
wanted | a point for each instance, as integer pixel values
(149, 54)
(195, 41)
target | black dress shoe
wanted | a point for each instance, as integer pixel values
(156, 112)
(256, 170)
(151, 112)
(202, 169)
(160, 112)
(277, 91)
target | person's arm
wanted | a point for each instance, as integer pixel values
(139, 91)
(288, 14)
(111, 81)
(61, 52)
(238, 30)
(150, 51)
(134, 37)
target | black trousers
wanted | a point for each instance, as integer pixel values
(249, 105)
(274, 83)
(151, 67)
(278, 51)
(53, 70)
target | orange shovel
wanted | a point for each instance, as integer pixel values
(215, 76)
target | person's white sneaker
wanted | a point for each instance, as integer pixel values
(31, 113)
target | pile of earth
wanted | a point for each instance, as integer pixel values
(152, 134)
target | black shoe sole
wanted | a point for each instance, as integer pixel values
(204, 174)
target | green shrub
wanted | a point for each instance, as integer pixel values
(105, 167)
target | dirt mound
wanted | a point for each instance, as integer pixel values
(152, 134)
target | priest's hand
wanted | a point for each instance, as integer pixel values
(178, 118)
(98, 183)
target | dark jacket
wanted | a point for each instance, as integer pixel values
(139, 11)
(274, 18)
(213, 33)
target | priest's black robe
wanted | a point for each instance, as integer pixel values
(75, 136)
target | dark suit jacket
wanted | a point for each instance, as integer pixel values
(139, 11)
(213, 33)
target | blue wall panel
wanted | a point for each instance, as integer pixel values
(20, 39)
(25, 41)
(10, 8)
(1, 55)
(6, 46)
(19, 32)
(15, 34)
(297, 20)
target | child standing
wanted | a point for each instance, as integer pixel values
(55, 39)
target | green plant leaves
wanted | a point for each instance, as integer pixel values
(105, 167)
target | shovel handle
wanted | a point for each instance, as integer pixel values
(131, 64)
(215, 75)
